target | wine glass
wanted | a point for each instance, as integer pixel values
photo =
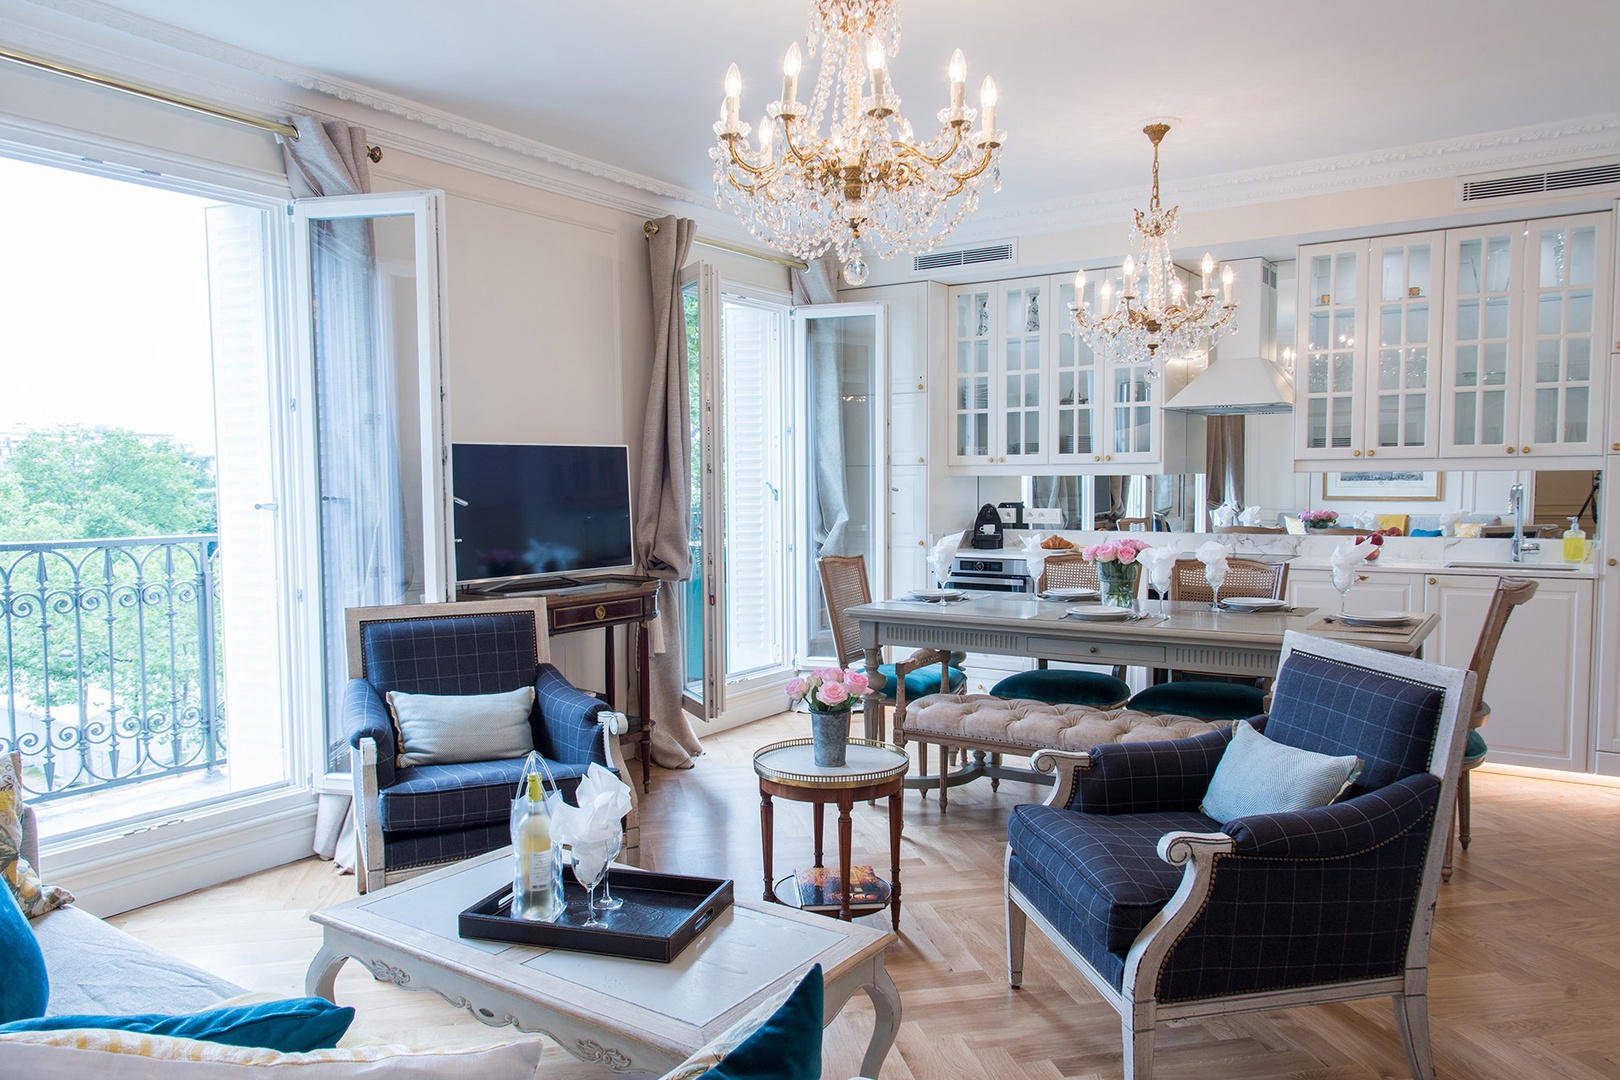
(589, 860)
(609, 902)
(1343, 579)
(1216, 578)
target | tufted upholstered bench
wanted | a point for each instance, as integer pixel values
(995, 726)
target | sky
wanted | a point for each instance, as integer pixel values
(103, 306)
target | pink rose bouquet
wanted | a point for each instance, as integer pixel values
(1124, 551)
(828, 689)
(1319, 519)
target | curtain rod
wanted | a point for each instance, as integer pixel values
(221, 112)
(736, 249)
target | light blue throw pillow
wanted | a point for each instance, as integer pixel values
(24, 987)
(1259, 776)
(445, 729)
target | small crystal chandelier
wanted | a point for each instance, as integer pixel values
(868, 181)
(1155, 320)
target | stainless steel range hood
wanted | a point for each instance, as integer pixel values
(1241, 378)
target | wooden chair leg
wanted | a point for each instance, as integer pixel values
(1412, 1018)
(995, 781)
(1464, 808)
(1017, 925)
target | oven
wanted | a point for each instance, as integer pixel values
(998, 573)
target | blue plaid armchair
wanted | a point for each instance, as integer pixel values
(1171, 915)
(409, 819)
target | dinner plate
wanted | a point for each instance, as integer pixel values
(1101, 612)
(1253, 603)
(1079, 592)
(937, 594)
(1375, 618)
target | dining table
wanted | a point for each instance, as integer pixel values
(1173, 635)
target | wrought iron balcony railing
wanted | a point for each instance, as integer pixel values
(113, 661)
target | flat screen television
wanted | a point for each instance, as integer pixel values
(529, 511)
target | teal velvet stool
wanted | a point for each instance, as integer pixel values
(1062, 687)
(1204, 700)
(921, 682)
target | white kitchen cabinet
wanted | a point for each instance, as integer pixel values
(1374, 590)
(1526, 333)
(1372, 335)
(908, 539)
(1000, 345)
(908, 429)
(1606, 715)
(1539, 688)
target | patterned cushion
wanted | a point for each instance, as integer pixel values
(1205, 700)
(1105, 867)
(1258, 776)
(1065, 687)
(920, 683)
(34, 898)
(457, 796)
(1336, 708)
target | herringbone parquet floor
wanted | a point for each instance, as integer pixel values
(1525, 980)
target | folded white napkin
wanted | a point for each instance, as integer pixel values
(603, 799)
(939, 560)
(1346, 560)
(1159, 563)
(1250, 517)
(1224, 515)
(1213, 555)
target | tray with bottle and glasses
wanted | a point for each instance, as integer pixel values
(662, 914)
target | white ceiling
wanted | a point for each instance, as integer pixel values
(1259, 86)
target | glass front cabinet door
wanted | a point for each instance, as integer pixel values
(1077, 382)
(1329, 385)
(1402, 414)
(1026, 318)
(972, 313)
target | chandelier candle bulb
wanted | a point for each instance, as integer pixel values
(874, 62)
(987, 103)
(733, 98)
(958, 71)
(791, 65)
(1226, 285)
(1208, 268)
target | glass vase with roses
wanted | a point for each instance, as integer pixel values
(1118, 572)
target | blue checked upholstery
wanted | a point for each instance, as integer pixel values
(439, 813)
(1303, 899)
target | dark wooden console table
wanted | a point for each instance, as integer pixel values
(603, 604)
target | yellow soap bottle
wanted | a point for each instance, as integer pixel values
(1574, 542)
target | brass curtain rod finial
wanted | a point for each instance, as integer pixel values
(649, 229)
(374, 153)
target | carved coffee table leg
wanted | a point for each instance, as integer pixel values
(321, 979)
(896, 824)
(885, 1021)
(767, 830)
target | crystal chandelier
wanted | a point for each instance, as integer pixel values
(869, 181)
(1154, 319)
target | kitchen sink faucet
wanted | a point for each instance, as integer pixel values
(1520, 544)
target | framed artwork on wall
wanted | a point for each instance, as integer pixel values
(1371, 486)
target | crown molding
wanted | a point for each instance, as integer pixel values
(1497, 151)
(240, 77)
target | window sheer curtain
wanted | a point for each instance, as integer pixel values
(362, 513)
(817, 284)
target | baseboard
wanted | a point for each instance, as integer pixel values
(116, 874)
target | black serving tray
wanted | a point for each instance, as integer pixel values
(662, 914)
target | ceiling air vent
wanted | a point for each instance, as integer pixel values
(1596, 177)
(973, 256)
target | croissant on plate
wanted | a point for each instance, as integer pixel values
(1056, 543)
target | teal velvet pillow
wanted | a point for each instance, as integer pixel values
(787, 1046)
(293, 1026)
(24, 988)
(1258, 776)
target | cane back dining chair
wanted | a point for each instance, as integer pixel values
(1173, 914)
(1065, 686)
(1206, 696)
(410, 818)
(1509, 594)
(844, 585)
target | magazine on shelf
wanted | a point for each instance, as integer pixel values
(821, 890)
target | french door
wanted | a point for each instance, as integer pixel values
(373, 431)
(739, 605)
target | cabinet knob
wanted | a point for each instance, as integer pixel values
(1372, 453)
(1614, 446)
(1524, 449)
(1108, 457)
(922, 543)
(1361, 577)
(1096, 457)
(1510, 450)
(922, 461)
(1432, 581)
(1355, 453)
(1614, 562)
(1094, 650)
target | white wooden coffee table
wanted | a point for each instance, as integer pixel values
(632, 1016)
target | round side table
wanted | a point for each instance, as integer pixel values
(872, 770)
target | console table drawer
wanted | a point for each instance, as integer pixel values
(1107, 652)
(565, 616)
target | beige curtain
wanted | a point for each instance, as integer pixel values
(664, 500)
(327, 158)
(1224, 464)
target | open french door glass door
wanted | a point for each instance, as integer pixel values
(843, 364)
(369, 327)
(740, 393)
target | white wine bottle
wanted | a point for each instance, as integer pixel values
(535, 891)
